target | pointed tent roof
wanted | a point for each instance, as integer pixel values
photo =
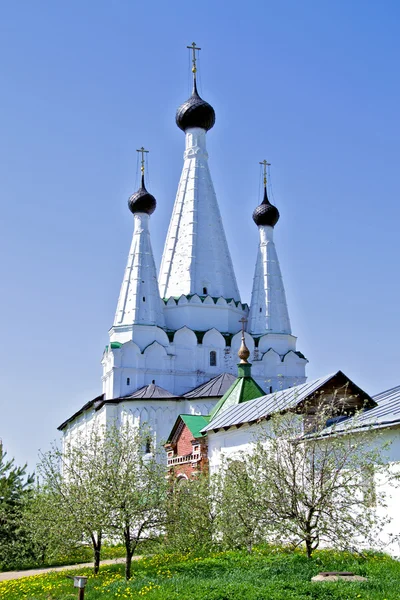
(150, 391)
(244, 388)
(217, 386)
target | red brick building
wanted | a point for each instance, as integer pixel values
(187, 447)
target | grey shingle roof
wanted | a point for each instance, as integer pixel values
(150, 391)
(217, 386)
(261, 407)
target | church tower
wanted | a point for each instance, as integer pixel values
(139, 301)
(268, 322)
(196, 259)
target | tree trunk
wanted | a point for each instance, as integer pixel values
(128, 565)
(97, 551)
(309, 548)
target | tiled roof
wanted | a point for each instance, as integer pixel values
(283, 400)
(217, 386)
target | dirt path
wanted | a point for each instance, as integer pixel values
(6, 576)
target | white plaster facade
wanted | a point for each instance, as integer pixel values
(231, 443)
(159, 415)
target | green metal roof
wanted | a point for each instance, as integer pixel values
(195, 423)
(244, 388)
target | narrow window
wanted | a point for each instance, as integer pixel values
(270, 389)
(128, 381)
(144, 298)
(148, 445)
(205, 291)
(260, 309)
(213, 358)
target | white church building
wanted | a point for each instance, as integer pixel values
(175, 336)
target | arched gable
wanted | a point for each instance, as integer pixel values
(213, 339)
(185, 337)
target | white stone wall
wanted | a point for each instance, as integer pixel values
(228, 444)
(158, 415)
(183, 363)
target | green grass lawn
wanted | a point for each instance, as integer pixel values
(266, 574)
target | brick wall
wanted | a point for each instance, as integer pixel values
(183, 447)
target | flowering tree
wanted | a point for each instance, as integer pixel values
(308, 485)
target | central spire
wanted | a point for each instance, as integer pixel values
(196, 258)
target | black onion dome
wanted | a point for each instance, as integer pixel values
(266, 213)
(195, 112)
(142, 201)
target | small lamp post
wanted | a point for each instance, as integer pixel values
(80, 583)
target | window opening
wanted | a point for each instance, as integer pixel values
(205, 291)
(260, 309)
(148, 445)
(128, 381)
(144, 298)
(213, 358)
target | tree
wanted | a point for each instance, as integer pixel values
(15, 488)
(308, 488)
(239, 523)
(70, 502)
(191, 515)
(135, 488)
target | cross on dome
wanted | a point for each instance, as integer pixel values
(193, 48)
(142, 201)
(143, 152)
(265, 164)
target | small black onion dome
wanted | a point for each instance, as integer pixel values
(266, 213)
(142, 201)
(195, 112)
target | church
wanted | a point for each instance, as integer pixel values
(176, 334)
(171, 360)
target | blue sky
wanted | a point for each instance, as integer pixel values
(312, 86)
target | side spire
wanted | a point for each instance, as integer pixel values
(141, 201)
(139, 301)
(268, 308)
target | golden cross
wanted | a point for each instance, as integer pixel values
(143, 152)
(243, 320)
(265, 165)
(193, 48)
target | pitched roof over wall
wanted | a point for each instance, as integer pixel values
(386, 414)
(195, 423)
(281, 401)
